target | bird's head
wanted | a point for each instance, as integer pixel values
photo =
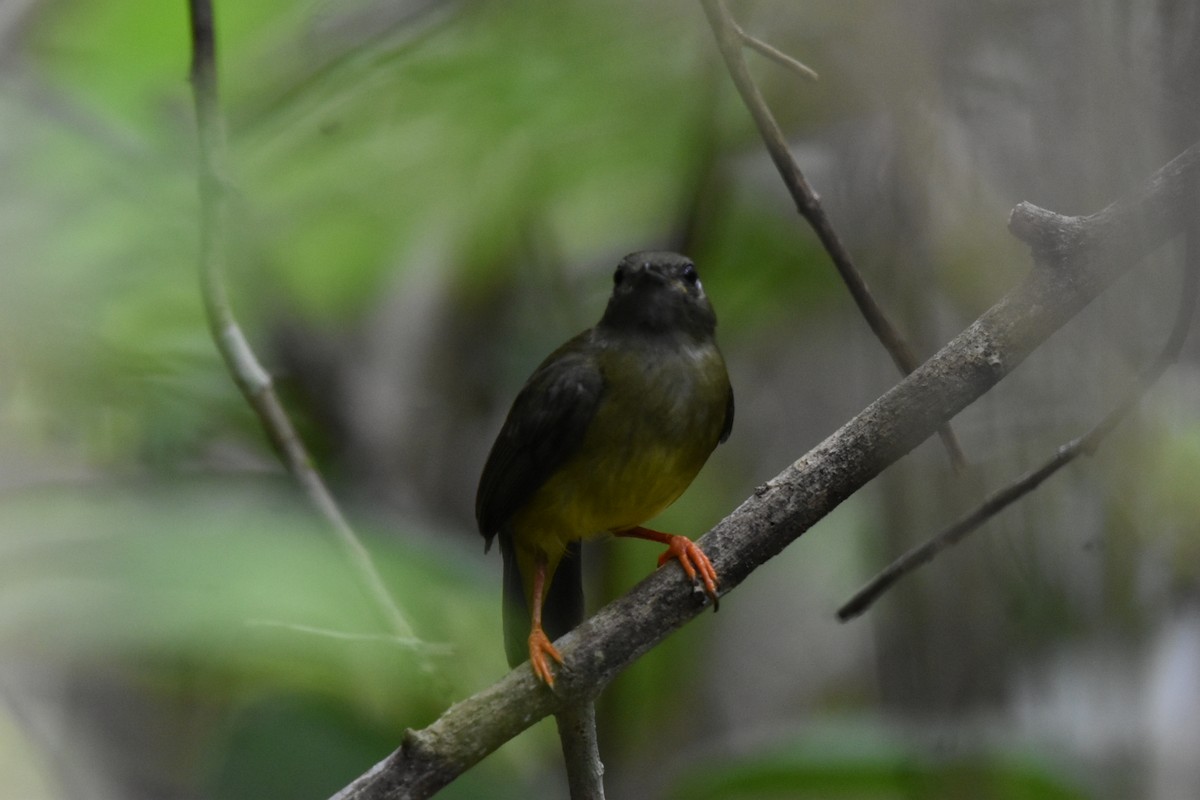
(659, 292)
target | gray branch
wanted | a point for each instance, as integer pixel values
(581, 750)
(1076, 258)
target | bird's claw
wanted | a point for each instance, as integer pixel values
(539, 648)
(696, 566)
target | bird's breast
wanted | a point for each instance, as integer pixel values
(661, 415)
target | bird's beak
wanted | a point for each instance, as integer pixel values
(645, 273)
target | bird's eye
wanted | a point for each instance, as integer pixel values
(618, 276)
(689, 274)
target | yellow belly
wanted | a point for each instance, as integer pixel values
(593, 496)
(637, 458)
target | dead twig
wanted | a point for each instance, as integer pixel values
(777, 55)
(251, 378)
(730, 39)
(1086, 444)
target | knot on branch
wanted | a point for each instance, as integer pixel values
(1048, 234)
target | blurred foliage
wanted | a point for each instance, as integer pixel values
(448, 184)
(865, 765)
(252, 599)
(357, 151)
(426, 144)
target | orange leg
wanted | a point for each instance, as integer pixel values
(696, 565)
(539, 644)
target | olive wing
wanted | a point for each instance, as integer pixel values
(728, 427)
(544, 428)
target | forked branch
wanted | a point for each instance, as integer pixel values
(1102, 246)
(730, 39)
(1086, 444)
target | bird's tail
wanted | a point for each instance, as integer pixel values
(562, 608)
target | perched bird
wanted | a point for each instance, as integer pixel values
(607, 432)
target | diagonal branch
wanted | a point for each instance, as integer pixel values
(576, 723)
(251, 378)
(777, 55)
(1078, 257)
(730, 39)
(1086, 444)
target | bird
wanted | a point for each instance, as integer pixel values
(608, 431)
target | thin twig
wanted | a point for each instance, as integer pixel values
(730, 40)
(778, 56)
(251, 378)
(577, 732)
(411, 643)
(1086, 444)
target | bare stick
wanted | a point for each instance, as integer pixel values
(1086, 444)
(581, 753)
(730, 39)
(1090, 252)
(252, 380)
(778, 56)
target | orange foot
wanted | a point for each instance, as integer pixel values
(696, 565)
(539, 649)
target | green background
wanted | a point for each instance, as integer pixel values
(427, 198)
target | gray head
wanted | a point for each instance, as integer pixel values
(659, 292)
